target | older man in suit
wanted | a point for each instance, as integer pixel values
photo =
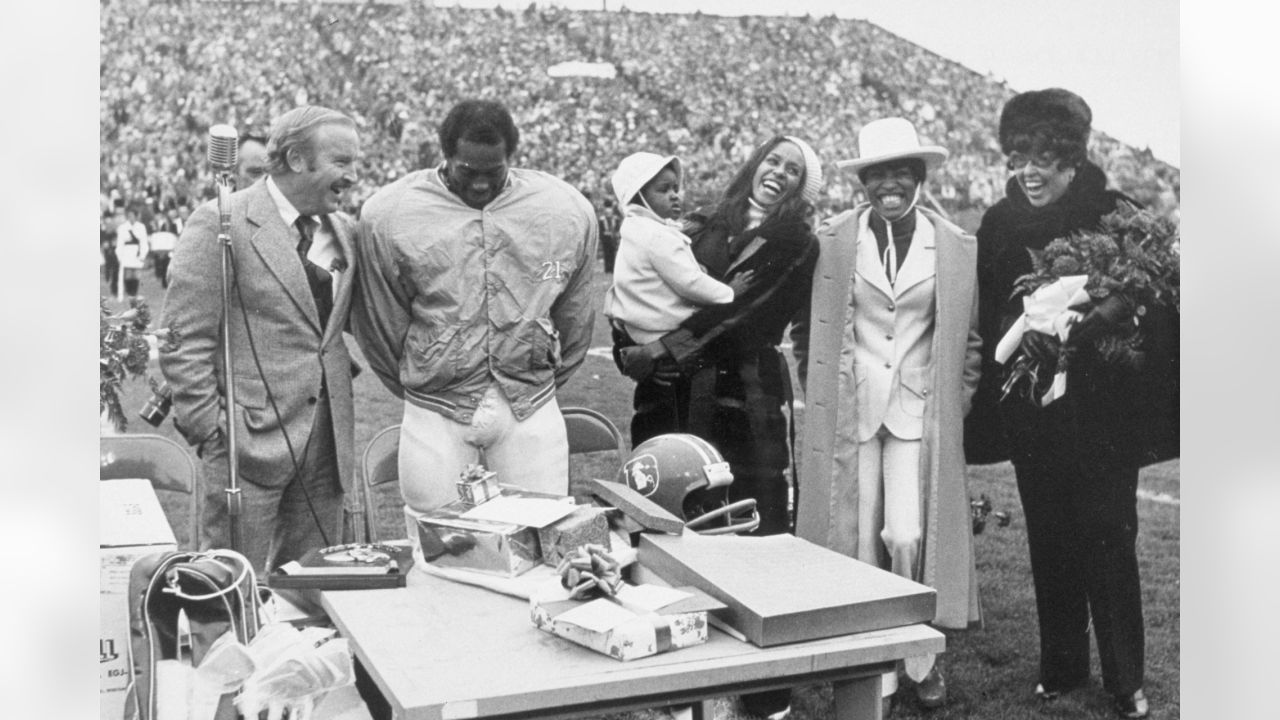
(293, 417)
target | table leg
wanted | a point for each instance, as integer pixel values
(858, 699)
(701, 710)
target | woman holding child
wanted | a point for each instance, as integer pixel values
(719, 374)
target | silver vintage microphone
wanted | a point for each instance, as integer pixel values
(223, 149)
(223, 153)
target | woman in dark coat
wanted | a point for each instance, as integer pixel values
(720, 375)
(1077, 458)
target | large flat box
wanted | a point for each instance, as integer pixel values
(131, 525)
(641, 620)
(781, 589)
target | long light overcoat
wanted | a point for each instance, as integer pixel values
(828, 497)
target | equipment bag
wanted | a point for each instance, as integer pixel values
(217, 592)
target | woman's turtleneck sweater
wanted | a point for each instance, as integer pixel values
(903, 230)
(756, 213)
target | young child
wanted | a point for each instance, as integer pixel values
(657, 283)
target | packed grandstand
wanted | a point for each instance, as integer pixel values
(706, 88)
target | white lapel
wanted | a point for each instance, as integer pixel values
(869, 266)
(920, 264)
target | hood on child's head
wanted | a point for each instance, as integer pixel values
(637, 169)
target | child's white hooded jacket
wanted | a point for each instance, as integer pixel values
(657, 283)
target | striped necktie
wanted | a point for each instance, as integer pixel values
(318, 278)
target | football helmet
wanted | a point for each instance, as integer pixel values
(689, 478)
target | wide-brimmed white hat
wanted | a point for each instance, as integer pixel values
(892, 139)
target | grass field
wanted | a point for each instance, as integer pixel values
(991, 671)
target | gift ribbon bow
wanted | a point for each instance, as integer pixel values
(589, 570)
(1047, 310)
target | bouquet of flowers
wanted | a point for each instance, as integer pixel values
(1134, 255)
(124, 350)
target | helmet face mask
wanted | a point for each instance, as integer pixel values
(689, 478)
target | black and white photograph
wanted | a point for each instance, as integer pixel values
(643, 360)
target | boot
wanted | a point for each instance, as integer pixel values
(932, 690)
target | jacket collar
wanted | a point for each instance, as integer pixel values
(275, 244)
(919, 265)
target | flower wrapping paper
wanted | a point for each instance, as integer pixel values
(1047, 310)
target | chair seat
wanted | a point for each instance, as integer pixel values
(165, 463)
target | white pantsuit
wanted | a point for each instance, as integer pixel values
(893, 338)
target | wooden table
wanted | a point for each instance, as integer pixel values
(439, 650)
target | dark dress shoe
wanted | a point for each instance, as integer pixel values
(932, 690)
(1132, 706)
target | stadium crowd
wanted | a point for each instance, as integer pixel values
(690, 85)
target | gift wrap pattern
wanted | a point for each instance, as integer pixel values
(587, 525)
(612, 628)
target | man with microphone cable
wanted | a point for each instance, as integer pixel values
(281, 300)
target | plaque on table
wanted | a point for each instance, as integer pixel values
(782, 589)
(354, 566)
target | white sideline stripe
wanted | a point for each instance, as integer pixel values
(1163, 498)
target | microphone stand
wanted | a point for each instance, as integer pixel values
(223, 182)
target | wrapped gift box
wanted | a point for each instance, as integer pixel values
(641, 620)
(586, 525)
(486, 546)
(497, 537)
(477, 485)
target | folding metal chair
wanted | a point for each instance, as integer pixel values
(592, 432)
(164, 462)
(379, 467)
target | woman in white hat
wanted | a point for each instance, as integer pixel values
(890, 360)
